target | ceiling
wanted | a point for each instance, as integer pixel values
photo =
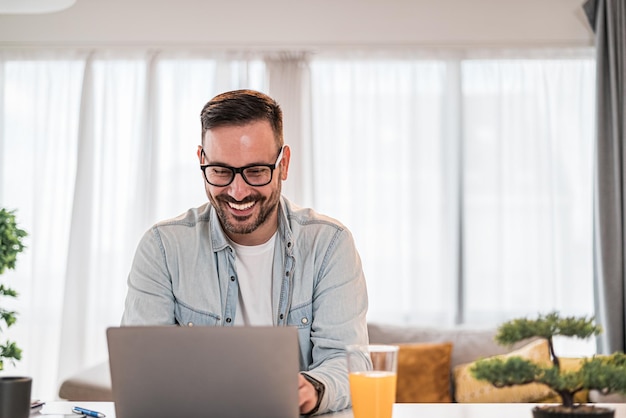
(297, 23)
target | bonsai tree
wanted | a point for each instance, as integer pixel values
(603, 373)
(10, 246)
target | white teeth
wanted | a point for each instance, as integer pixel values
(242, 206)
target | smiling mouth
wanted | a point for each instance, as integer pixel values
(241, 206)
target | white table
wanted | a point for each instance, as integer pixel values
(412, 410)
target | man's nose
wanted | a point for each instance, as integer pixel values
(238, 189)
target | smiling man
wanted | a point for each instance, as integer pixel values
(251, 257)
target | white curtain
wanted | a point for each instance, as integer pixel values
(41, 102)
(466, 180)
(380, 143)
(95, 148)
(528, 140)
(289, 82)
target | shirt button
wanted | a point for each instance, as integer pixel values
(288, 244)
(305, 320)
(228, 320)
(287, 273)
(282, 316)
(190, 324)
(232, 278)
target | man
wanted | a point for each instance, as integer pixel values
(251, 257)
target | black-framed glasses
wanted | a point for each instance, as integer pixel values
(255, 174)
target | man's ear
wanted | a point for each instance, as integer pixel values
(200, 153)
(284, 163)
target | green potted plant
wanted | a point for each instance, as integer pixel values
(603, 373)
(14, 391)
(11, 244)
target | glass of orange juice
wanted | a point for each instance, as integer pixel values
(372, 371)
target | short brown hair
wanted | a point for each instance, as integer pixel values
(240, 107)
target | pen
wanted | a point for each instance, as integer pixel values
(36, 406)
(88, 412)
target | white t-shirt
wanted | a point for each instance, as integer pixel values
(254, 272)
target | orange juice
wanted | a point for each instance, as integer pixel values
(373, 394)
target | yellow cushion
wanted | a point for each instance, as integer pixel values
(468, 389)
(424, 372)
(569, 364)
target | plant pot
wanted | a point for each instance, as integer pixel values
(15, 397)
(577, 411)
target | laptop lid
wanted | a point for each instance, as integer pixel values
(171, 371)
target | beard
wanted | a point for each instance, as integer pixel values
(245, 224)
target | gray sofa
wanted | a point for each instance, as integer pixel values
(92, 384)
(469, 344)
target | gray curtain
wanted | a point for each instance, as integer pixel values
(608, 19)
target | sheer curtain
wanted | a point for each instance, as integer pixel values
(380, 141)
(289, 84)
(95, 148)
(528, 141)
(466, 181)
(40, 103)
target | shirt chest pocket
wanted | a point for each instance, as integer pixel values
(301, 316)
(188, 317)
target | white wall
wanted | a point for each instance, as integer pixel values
(303, 23)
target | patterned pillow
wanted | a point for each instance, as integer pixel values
(468, 389)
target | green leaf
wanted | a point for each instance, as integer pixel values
(11, 244)
(506, 372)
(546, 326)
(9, 317)
(605, 373)
(9, 351)
(7, 291)
(11, 240)
(561, 381)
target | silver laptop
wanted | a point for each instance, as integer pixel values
(171, 371)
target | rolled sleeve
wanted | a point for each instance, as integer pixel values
(339, 319)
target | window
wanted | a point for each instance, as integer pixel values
(466, 182)
(93, 150)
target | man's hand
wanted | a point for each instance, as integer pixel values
(307, 395)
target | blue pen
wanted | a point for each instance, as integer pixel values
(88, 412)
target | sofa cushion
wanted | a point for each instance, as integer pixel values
(424, 373)
(469, 389)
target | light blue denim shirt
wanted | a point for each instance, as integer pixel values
(184, 273)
